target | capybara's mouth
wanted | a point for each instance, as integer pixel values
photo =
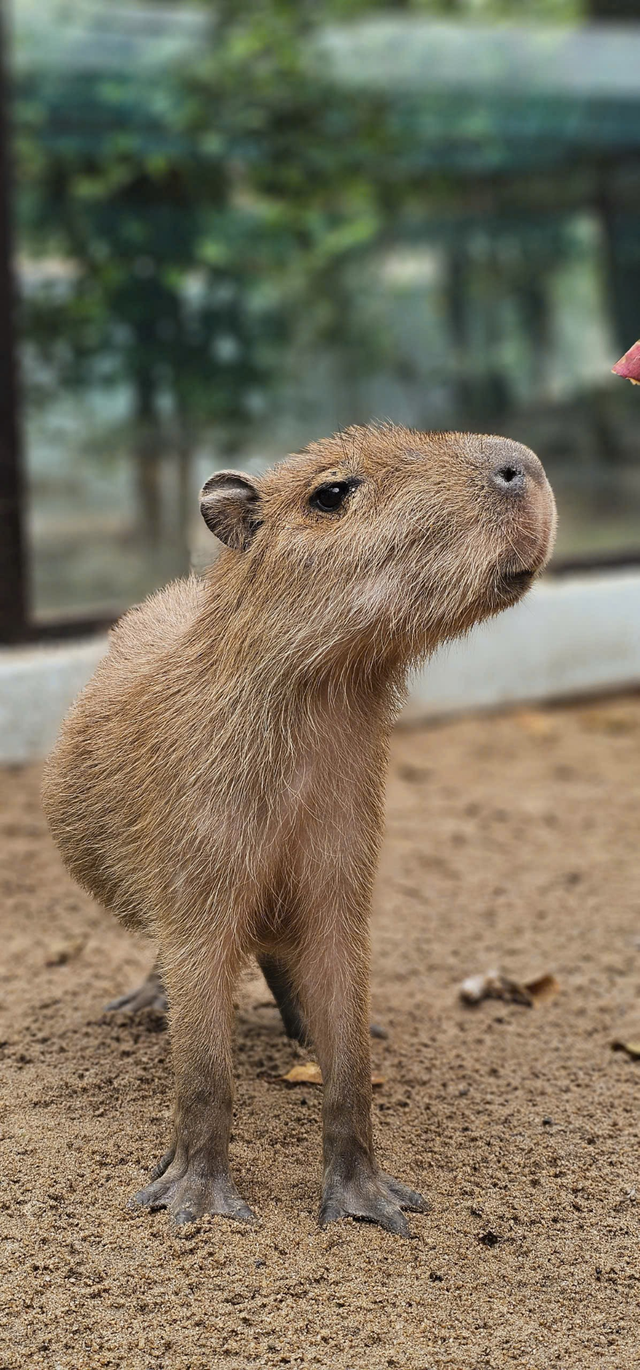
(518, 579)
(511, 585)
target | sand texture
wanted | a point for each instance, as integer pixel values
(512, 841)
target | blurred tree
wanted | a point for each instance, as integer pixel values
(197, 215)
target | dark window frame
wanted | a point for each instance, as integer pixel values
(13, 569)
(16, 621)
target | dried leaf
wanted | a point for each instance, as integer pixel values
(542, 989)
(63, 952)
(309, 1073)
(632, 1048)
(629, 365)
(494, 985)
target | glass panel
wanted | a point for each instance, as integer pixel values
(240, 227)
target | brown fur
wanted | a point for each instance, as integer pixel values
(219, 782)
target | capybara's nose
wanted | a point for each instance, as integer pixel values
(510, 478)
(513, 468)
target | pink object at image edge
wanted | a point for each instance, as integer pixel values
(629, 365)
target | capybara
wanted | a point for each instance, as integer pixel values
(219, 782)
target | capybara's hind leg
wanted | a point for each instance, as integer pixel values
(278, 978)
(193, 1177)
(151, 994)
(280, 982)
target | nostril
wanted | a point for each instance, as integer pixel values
(509, 477)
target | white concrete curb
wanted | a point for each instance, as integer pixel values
(37, 685)
(569, 637)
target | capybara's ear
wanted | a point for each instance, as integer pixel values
(230, 507)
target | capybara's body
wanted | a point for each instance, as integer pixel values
(219, 783)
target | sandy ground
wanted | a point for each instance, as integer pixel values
(511, 840)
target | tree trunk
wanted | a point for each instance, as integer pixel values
(533, 299)
(147, 449)
(457, 307)
(612, 11)
(186, 492)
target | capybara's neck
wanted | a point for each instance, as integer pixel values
(283, 651)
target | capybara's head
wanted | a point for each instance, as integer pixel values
(383, 541)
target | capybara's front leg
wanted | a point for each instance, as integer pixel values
(193, 1177)
(334, 986)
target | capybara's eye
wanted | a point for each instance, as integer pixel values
(328, 498)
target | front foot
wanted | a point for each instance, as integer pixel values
(372, 1197)
(188, 1189)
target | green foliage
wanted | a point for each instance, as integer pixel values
(198, 209)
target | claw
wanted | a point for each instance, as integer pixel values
(407, 1198)
(394, 1222)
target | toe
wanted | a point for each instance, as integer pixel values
(189, 1192)
(147, 997)
(407, 1198)
(158, 1194)
(393, 1220)
(147, 1198)
(184, 1215)
(244, 1214)
(187, 1211)
(123, 1001)
(375, 1205)
(163, 1164)
(385, 1215)
(330, 1212)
